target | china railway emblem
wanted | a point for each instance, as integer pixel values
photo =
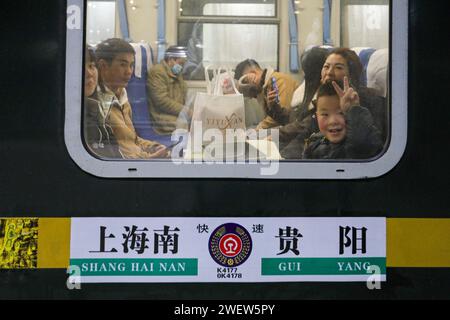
(230, 245)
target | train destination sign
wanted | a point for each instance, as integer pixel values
(227, 249)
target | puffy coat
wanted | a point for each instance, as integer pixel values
(362, 141)
(166, 98)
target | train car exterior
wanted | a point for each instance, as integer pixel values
(46, 190)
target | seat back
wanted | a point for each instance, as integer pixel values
(375, 68)
(364, 56)
(378, 72)
(137, 95)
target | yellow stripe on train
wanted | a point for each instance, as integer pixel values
(45, 243)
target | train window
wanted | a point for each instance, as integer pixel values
(258, 8)
(263, 95)
(365, 24)
(224, 33)
(101, 19)
(218, 43)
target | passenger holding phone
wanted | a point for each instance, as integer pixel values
(275, 110)
(258, 83)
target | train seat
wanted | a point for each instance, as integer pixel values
(364, 56)
(375, 68)
(378, 72)
(137, 95)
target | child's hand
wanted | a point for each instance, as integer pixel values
(348, 97)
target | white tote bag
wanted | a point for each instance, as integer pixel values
(216, 110)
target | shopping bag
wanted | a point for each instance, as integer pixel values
(216, 109)
(222, 81)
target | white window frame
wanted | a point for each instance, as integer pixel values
(287, 170)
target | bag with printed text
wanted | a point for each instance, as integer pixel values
(222, 107)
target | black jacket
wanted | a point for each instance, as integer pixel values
(362, 141)
(304, 129)
(98, 135)
(293, 135)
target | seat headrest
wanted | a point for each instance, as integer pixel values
(139, 58)
(377, 71)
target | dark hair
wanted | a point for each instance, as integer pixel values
(312, 64)
(89, 53)
(242, 66)
(327, 89)
(109, 49)
(354, 64)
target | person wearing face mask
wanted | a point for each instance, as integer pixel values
(167, 90)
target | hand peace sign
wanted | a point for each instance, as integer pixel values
(348, 97)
